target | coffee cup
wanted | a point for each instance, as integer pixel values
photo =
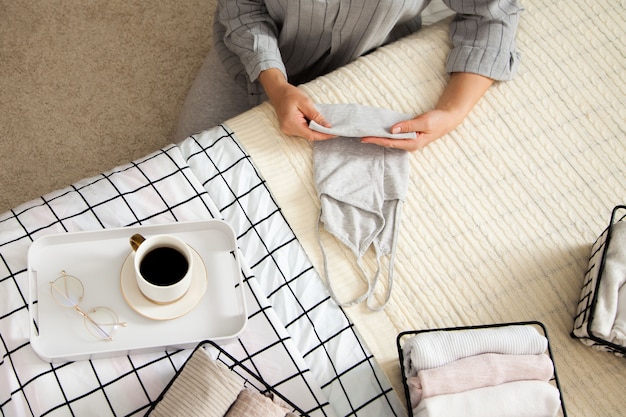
(163, 267)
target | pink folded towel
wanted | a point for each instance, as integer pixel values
(513, 399)
(479, 371)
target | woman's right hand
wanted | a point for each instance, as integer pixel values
(293, 107)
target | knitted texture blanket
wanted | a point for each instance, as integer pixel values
(500, 214)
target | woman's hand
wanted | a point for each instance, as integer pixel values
(428, 127)
(293, 107)
(457, 100)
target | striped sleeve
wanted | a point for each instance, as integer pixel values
(483, 37)
(251, 34)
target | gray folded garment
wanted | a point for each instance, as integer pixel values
(357, 121)
(361, 188)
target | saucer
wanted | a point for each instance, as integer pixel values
(142, 305)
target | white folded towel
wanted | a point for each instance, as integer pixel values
(356, 121)
(513, 399)
(432, 349)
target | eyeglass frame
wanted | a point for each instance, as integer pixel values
(105, 335)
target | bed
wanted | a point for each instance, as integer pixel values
(497, 227)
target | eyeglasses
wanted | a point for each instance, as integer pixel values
(68, 291)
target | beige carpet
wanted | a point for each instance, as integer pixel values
(86, 86)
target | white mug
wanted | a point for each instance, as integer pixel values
(163, 267)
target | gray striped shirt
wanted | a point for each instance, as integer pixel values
(308, 38)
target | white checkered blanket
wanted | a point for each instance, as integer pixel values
(297, 342)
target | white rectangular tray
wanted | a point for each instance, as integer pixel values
(96, 258)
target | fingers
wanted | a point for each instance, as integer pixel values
(421, 123)
(298, 125)
(311, 113)
(428, 126)
(312, 135)
(295, 115)
(406, 126)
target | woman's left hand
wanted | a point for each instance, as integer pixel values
(463, 91)
(428, 127)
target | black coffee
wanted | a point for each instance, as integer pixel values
(163, 266)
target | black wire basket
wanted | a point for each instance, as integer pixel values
(402, 337)
(251, 379)
(585, 312)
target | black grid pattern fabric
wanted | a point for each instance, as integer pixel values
(342, 364)
(324, 368)
(158, 189)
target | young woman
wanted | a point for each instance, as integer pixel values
(265, 48)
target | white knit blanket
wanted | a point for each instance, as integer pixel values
(501, 213)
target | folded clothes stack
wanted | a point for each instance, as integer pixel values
(207, 388)
(495, 371)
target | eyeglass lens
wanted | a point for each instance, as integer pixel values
(67, 290)
(102, 322)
